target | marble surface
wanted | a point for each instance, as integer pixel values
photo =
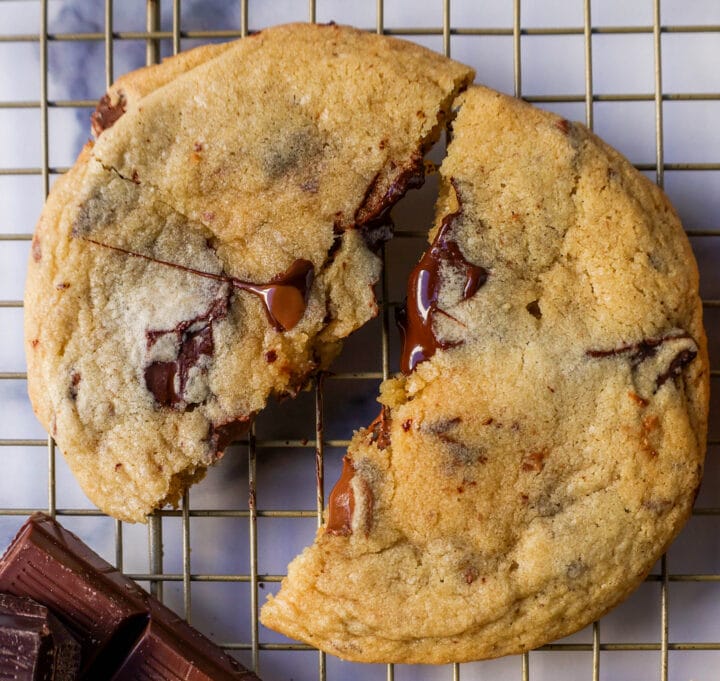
(551, 65)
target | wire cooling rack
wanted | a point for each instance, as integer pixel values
(264, 502)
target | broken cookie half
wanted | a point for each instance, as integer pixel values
(545, 441)
(216, 243)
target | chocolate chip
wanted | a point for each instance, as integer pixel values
(160, 381)
(168, 380)
(106, 114)
(270, 356)
(534, 309)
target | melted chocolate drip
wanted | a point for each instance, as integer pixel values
(284, 297)
(341, 503)
(106, 114)
(380, 430)
(416, 318)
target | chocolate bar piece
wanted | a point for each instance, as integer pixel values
(52, 566)
(160, 655)
(34, 645)
(118, 624)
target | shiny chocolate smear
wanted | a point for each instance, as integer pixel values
(284, 297)
(341, 503)
(106, 114)
(416, 319)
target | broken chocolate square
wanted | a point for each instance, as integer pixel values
(34, 645)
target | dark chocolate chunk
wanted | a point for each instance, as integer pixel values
(54, 568)
(270, 356)
(34, 645)
(224, 434)
(378, 201)
(106, 113)
(533, 308)
(372, 218)
(341, 503)
(113, 619)
(173, 651)
(167, 380)
(416, 318)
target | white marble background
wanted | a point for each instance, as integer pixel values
(551, 65)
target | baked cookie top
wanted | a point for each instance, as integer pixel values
(545, 441)
(215, 244)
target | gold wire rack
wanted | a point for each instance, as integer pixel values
(156, 576)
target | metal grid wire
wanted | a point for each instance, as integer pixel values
(156, 576)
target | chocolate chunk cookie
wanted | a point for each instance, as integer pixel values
(216, 243)
(545, 440)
